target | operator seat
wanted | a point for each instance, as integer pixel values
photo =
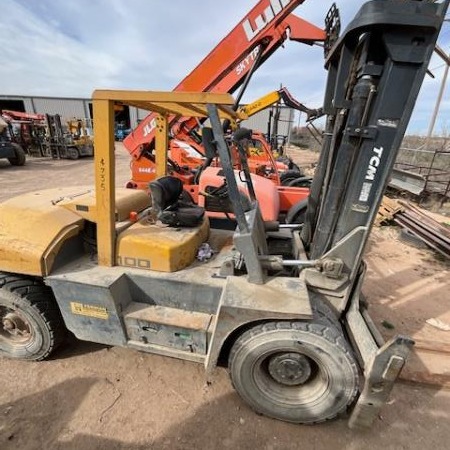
(169, 208)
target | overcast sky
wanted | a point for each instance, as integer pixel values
(71, 47)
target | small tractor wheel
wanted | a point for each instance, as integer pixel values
(300, 372)
(20, 158)
(290, 175)
(31, 326)
(73, 153)
(300, 182)
(297, 212)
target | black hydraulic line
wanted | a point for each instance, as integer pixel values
(248, 77)
(342, 169)
(317, 185)
(269, 127)
(255, 65)
(295, 104)
(276, 118)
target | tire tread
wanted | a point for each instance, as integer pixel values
(37, 295)
(328, 332)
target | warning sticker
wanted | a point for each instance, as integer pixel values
(99, 312)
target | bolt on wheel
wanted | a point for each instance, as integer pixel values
(14, 327)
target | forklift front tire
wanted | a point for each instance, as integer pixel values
(300, 372)
(31, 326)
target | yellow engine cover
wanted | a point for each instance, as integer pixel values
(164, 249)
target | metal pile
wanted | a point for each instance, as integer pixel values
(416, 222)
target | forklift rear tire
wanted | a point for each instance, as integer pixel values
(299, 372)
(73, 153)
(20, 158)
(31, 326)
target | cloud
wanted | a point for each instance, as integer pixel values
(71, 47)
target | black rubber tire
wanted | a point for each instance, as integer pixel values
(330, 388)
(20, 158)
(323, 313)
(290, 175)
(33, 304)
(73, 153)
(300, 182)
(297, 212)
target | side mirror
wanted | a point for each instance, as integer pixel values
(209, 143)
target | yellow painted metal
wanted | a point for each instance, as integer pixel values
(258, 105)
(191, 104)
(32, 230)
(162, 144)
(104, 179)
(127, 201)
(164, 103)
(163, 249)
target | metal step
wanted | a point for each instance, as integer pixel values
(169, 331)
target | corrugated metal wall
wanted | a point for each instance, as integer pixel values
(68, 108)
(260, 121)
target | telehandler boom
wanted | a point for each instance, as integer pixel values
(229, 66)
(116, 267)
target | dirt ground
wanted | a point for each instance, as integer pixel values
(94, 397)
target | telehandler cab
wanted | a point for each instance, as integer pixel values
(116, 270)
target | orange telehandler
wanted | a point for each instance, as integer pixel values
(189, 155)
(227, 67)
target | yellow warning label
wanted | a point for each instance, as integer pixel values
(99, 312)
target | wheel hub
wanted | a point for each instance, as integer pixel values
(15, 326)
(290, 369)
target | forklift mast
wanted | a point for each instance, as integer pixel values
(232, 62)
(375, 70)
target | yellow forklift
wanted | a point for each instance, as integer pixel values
(71, 142)
(120, 267)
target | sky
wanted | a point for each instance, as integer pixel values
(71, 47)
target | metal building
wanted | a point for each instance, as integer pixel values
(69, 108)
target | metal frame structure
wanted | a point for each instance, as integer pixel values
(164, 104)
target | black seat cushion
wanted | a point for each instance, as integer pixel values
(168, 207)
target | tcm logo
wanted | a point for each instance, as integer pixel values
(374, 163)
(148, 128)
(262, 20)
(366, 188)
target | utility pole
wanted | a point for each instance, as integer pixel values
(446, 59)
